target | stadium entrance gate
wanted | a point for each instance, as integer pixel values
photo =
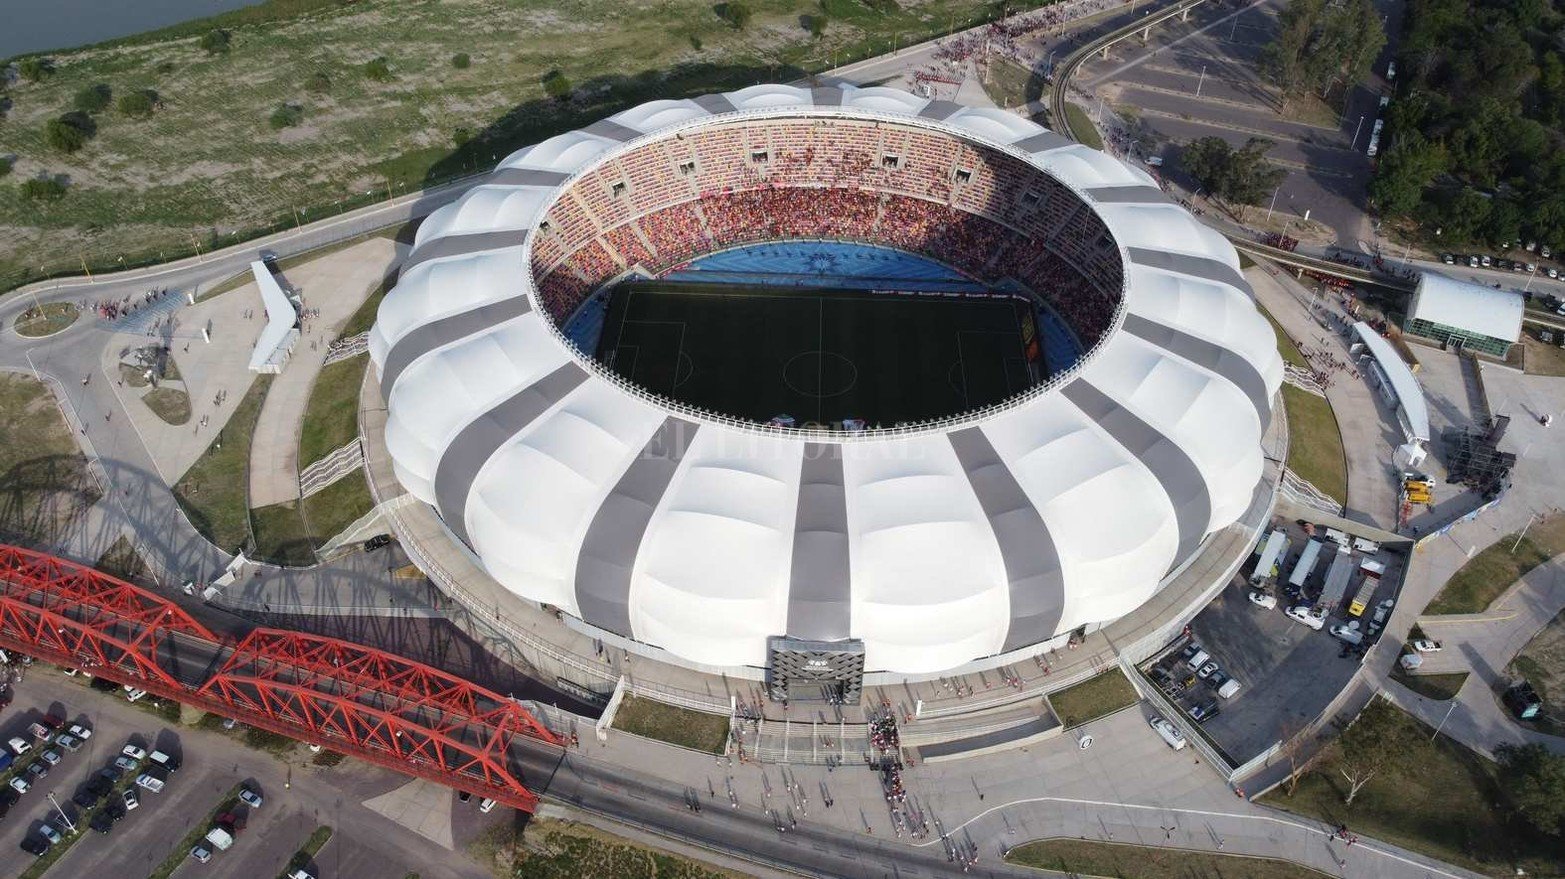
(808, 671)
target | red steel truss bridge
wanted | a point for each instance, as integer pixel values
(379, 707)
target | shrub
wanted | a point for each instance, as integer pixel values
(461, 135)
(817, 25)
(70, 131)
(43, 189)
(461, 61)
(286, 116)
(319, 83)
(5, 165)
(736, 14)
(556, 85)
(378, 69)
(217, 42)
(94, 98)
(35, 68)
(695, 42)
(137, 104)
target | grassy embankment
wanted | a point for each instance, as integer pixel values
(44, 478)
(1093, 698)
(1486, 575)
(208, 168)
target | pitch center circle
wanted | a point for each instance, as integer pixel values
(820, 374)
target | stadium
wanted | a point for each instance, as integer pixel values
(817, 382)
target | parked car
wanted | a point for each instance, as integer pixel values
(1204, 711)
(1206, 671)
(130, 798)
(81, 731)
(126, 764)
(35, 845)
(115, 810)
(113, 773)
(1303, 613)
(134, 694)
(84, 799)
(102, 823)
(167, 761)
(249, 797)
(38, 770)
(47, 831)
(1263, 599)
(69, 743)
(377, 542)
(150, 782)
(201, 853)
(19, 746)
(99, 787)
(1424, 645)
(40, 733)
(51, 757)
(300, 873)
(20, 784)
(1169, 733)
(1347, 634)
(135, 753)
(486, 805)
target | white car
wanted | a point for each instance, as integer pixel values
(201, 853)
(81, 732)
(134, 694)
(1347, 634)
(19, 784)
(19, 746)
(1424, 645)
(300, 873)
(1302, 613)
(1263, 599)
(150, 782)
(250, 798)
(134, 753)
(130, 798)
(1169, 733)
(51, 757)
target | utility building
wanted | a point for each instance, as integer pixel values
(1465, 315)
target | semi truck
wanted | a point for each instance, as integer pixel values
(1305, 565)
(1371, 570)
(1271, 553)
(1338, 576)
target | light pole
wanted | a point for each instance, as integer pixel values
(1273, 205)
(1200, 82)
(63, 817)
(1530, 520)
(1356, 129)
(1443, 720)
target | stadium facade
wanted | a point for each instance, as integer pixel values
(726, 543)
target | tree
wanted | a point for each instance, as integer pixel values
(378, 69)
(217, 42)
(1294, 746)
(137, 104)
(1405, 170)
(1320, 44)
(461, 61)
(286, 116)
(817, 24)
(45, 188)
(35, 68)
(1206, 159)
(94, 98)
(5, 165)
(556, 85)
(1534, 781)
(735, 13)
(69, 132)
(1378, 739)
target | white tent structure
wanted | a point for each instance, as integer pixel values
(275, 345)
(931, 546)
(1397, 384)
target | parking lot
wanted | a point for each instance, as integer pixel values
(297, 798)
(1288, 672)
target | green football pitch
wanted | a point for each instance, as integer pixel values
(816, 355)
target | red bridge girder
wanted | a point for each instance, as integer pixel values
(76, 615)
(381, 706)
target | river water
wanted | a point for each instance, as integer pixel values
(43, 25)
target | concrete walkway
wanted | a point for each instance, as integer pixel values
(335, 284)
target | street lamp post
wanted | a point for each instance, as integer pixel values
(1356, 129)
(63, 817)
(1200, 82)
(1443, 720)
(1273, 205)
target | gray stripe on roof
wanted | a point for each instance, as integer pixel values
(826, 96)
(1128, 195)
(715, 103)
(442, 332)
(1032, 564)
(1173, 469)
(612, 130)
(476, 443)
(459, 245)
(526, 177)
(938, 109)
(608, 552)
(1043, 140)
(1194, 266)
(819, 585)
(1237, 370)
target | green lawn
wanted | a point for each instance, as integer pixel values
(1439, 799)
(1542, 663)
(697, 730)
(44, 479)
(206, 170)
(1315, 443)
(1542, 358)
(1087, 857)
(215, 490)
(1440, 687)
(290, 532)
(122, 560)
(1093, 698)
(1486, 575)
(556, 849)
(331, 417)
(37, 322)
(1285, 346)
(1081, 127)
(170, 404)
(1011, 85)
